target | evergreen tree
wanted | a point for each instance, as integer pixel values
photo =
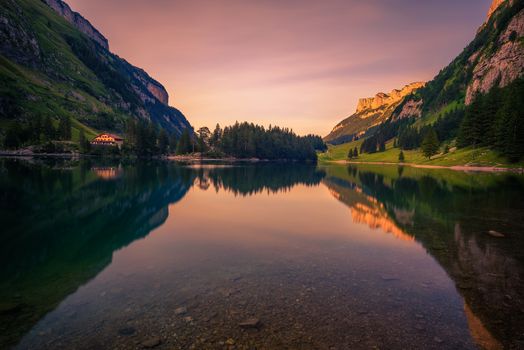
(173, 141)
(350, 154)
(470, 133)
(382, 146)
(430, 143)
(184, 144)
(64, 128)
(401, 157)
(355, 152)
(83, 143)
(48, 129)
(217, 135)
(163, 142)
(13, 136)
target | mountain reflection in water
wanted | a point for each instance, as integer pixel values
(67, 222)
(450, 214)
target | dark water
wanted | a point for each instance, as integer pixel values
(124, 256)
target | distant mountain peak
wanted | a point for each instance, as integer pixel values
(494, 6)
(370, 111)
(78, 21)
(383, 100)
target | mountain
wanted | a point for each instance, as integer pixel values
(54, 63)
(370, 112)
(476, 103)
(494, 58)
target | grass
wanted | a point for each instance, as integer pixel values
(60, 85)
(465, 156)
(431, 118)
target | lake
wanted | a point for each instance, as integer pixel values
(100, 254)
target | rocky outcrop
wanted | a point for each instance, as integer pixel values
(500, 66)
(78, 21)
(154, 88)
(494, 6)
(16, 41)
(382, 99)
(370, 112)
(158, 91)
(411, 108)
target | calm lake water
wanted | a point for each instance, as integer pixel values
(122, 256)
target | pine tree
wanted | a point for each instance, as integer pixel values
(163, 142)
(82, 141)
(184, 144)
(430, 143)
(48, 129)
(64, 128)
(173, 142)
(350, 154)
(401, 157)
(355, 152)
(216, 136)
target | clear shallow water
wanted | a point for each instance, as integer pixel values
(127, 256)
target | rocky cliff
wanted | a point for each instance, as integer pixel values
(78, 21)
(382, 99)
(370, 111)
(154, 87)
(494, 58)
(73, 73)
(503, 63)
(494, 6)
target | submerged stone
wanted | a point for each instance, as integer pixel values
(181, 310)
(151, 342)
(496, 234)
(127, 331)
(250, 323)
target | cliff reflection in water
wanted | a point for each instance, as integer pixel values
(451, 214)
(63, 220)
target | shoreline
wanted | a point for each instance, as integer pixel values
(466, 168)
(195, 159)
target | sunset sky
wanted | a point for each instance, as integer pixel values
(296, 63)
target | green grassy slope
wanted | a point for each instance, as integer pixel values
(49, 68)
(466, 156)
(56, 83)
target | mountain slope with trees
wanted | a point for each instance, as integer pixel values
(54, 66)
(475, 103)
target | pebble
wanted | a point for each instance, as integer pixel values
(181, 310)
(250, 323)
(496, 234)
(126, 331)
(151, 342)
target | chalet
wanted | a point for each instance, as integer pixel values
(108, 140)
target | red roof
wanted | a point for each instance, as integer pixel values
(116, 137)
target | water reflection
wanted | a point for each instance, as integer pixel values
(229, 242)
(451, 214)
(62, 221)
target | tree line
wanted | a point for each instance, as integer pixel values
(496, 120)
(38, 130)
(248, 140)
